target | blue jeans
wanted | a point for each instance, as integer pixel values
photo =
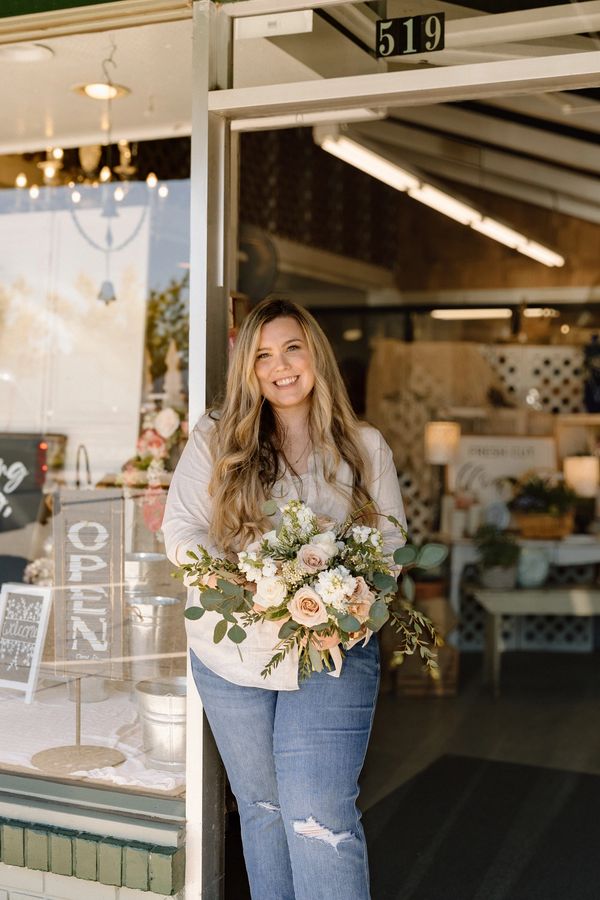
(293, 759)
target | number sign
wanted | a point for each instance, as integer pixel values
(410, 34)
(88, 608)
(24, 612)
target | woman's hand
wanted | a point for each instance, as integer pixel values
(325, 643)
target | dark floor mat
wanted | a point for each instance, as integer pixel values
(473, 829)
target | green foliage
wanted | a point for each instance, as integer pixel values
(167, 319)
(431, 555)
(496, 547)
(220, 631)
(236, 634)
(541, 494)
(194, 612)
(405, 556)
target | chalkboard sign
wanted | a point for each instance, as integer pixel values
(22, 472)
(88, 563)
(24, 612)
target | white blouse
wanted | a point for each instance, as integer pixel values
(187, 521)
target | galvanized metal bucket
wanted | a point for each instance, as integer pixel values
(154, 626)
(161, 706)
(146, 571)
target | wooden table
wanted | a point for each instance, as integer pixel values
(576, 601)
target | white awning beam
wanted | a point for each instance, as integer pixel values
(414, 88)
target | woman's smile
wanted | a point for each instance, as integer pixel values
(284, 365)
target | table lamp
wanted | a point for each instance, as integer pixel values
(441, 447)
(582, 474)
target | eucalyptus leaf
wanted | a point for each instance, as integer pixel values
(431, 555)
(287, 628)
(379, 614)
(229, 589)
(384, 583)
(220, 631)
(194, 612)
(269, 508)
(349, 623)
(408, 588)
(315, 658)
(211, 599)
(405, 556)
(236, 634)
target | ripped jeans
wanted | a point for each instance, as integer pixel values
(293, 759)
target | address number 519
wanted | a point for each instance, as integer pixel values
(412, 34)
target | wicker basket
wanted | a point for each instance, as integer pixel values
(544, 525)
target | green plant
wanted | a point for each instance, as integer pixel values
(496, 547)
(167, 319)
(541, 494)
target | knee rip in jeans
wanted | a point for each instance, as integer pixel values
(310, 828)
(266, 804)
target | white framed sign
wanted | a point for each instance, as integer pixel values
(482, 460)
(24, 614)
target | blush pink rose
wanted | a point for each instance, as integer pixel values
(307, 608)
(360, 602)
(312, 558)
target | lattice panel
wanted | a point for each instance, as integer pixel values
(471, 626)
(570, 634)
(555, 372)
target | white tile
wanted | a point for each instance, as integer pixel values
(65, 887)
(126, 893)
(20, 896)
(21, 879)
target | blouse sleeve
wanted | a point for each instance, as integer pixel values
(385, 491)
(187, 518)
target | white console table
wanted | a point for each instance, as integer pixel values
(581, 550)
(540, 602)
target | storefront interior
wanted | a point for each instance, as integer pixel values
(467, 301)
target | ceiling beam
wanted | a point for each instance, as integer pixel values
(484, 179)
(562, 107)
(417, 87)
(477, 158)
(88, 19)
(520, 138)
(528, 24)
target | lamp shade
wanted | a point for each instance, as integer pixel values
(582, 473)
(441, 442)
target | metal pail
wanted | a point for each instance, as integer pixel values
(161, 705)
(147, 571)
(154, 625)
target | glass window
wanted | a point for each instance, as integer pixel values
(93, 399)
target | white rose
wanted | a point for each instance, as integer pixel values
(270, 592)
(307, 608)
(326, 540)
(166, 422)
(312, 558)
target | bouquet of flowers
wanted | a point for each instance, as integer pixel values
(319, 579)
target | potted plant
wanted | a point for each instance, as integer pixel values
(542, 506)
(499, 555)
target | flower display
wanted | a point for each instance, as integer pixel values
(319, 580)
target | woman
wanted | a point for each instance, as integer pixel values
(293, 752)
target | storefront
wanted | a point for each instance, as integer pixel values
(102, 270)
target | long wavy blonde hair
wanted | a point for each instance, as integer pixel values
(247, 439)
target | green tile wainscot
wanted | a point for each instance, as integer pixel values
(144, 867)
